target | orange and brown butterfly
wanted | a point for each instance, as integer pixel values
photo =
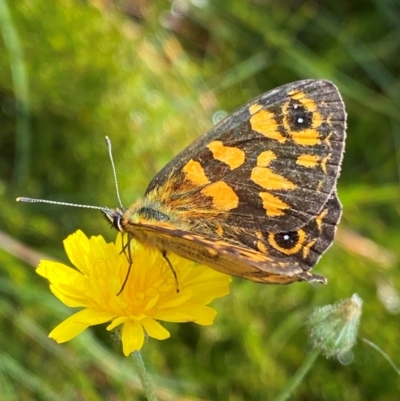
(255, 197)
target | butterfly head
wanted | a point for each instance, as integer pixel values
(114, 217)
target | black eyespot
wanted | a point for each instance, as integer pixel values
(299, 117)
(287, 240)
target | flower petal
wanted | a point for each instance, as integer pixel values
(154, 329)
(55, 271)
(77, 246)
(174, 300)
(132, 337)
(207, 285)
(67, 330)
(73, 299)
(116, 322)
(78, 322)
(65, 283)
(200, 314)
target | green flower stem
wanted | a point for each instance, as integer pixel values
(384, 354)
(299, 376)
(144, 378)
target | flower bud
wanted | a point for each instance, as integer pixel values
(333, 328)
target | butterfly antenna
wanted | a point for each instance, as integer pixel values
(114, 172)
(34, 200)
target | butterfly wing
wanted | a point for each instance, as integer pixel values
(272, 163)
(287, 261)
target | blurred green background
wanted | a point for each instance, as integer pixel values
(154, 76)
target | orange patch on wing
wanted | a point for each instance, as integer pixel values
(296, 95)
(254, 108)
(265, 158)
(308, 161)
(233, 157)
(288, 251)
(260, 243)
(317, 119)
(308, 103)
(223, 196)
(323, 163)
(220, 231)
(264, 123)
(306, 249)
(267, 179)
(272, 205)
(195, 173)
(308, 137)
(212, 251)
(320, 218)
(328, 140)
(301, 97)
(262, 247)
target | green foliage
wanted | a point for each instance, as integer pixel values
(153, 79)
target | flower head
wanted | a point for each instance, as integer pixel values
(149, 296)
(333, 328)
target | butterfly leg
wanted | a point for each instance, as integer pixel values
(164, 255)
(126, 247)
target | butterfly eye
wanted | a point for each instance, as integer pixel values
(114, 217)
(117, 223)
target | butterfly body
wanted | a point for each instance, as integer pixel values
(255, 197)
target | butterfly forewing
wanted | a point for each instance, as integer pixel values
(273, 163)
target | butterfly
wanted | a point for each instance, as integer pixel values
(255, 197)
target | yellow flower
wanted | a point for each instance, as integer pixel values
(150, 294)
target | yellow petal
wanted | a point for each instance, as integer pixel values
(78, 322)
(57, 272)
(67, 330)
(154, 329)
(207, 285)
(132, 337)
(66, 283)
(203, 315)
(92, 316)
(77, 246)
(199, 314)
(73, 299)
(116, 322)
(174, 299)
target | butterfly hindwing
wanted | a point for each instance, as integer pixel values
(269, 260)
